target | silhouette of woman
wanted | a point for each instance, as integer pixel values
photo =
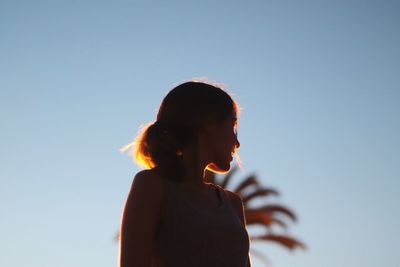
(172, 217)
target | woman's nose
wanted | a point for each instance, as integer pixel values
(237, 143)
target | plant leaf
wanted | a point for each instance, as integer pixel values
(261, 256)
(284, 240)
(261, 192)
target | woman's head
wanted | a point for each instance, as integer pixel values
(183, 113)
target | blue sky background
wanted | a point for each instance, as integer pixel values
(318, 82)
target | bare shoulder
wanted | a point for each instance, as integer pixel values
(147, 187)
(148, 180)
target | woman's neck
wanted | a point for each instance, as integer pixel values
(194, 161)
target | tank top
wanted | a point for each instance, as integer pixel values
(193, 236)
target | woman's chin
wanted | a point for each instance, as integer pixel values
(220, 168)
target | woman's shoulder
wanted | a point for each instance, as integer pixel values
(148, 179)
(148, 187)
(148, 184)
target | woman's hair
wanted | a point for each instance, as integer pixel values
(182, 111)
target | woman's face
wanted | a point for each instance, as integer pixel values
(223, 143)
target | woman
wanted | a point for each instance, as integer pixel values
(172, 217)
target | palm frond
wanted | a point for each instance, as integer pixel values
(248, 181)
(274, 208)
(260, 192)
(284, 240)
(261, 256)
(256, 216)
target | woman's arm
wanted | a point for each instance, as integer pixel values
(139, 219)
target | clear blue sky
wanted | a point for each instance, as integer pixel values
(318, 82)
